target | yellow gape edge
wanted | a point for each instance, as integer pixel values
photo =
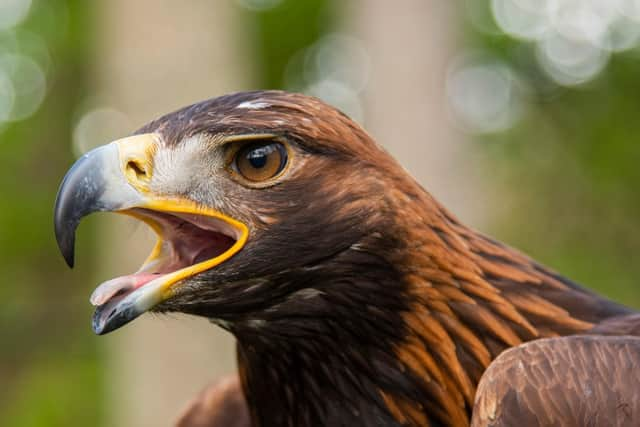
(187, 206)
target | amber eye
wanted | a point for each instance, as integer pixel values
(260, 161)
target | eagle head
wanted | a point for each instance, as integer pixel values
(267, 206)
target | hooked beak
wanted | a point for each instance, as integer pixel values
(192, 238)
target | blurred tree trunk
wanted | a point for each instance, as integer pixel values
(411, 44)
(154, 57)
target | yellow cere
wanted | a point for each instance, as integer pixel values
(136, 158)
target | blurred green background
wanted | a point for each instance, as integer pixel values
(545, 95)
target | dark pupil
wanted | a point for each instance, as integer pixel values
(258, 156)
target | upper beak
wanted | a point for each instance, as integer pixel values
(116, 177)
(98, 182)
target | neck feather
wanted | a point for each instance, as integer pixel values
(398, 328)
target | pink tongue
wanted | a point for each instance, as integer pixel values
(119, 285)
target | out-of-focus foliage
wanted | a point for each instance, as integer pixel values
(569, 163)
(298, 47)
(282, 29)
(48, 362)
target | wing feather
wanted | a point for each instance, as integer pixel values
(588, 380)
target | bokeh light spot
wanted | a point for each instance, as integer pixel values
(524, 19)
(33, 45)
(29, 84)
(7, 97)
(258, 5)
(335, 69)
(341, 96)
(624, 35)
(483, 95)
(584, 20)
(574, 37)
(571, 62)
(341, 58)
(13, 12)
(97, 127)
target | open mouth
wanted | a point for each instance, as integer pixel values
(192, 237)
(187, 243)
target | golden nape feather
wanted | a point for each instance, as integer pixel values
(355, 297)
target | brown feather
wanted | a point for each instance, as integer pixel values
(568, 381)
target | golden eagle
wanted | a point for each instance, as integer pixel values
(355, 297)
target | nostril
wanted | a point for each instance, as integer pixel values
(135, 158)
(136, 168)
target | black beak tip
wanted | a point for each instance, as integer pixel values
(111, 316)
(68, 256)
(97, 326)
(66, 244)
(65, 237)
(100, 321)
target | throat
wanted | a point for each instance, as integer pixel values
(313, 383)
(324, 354)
